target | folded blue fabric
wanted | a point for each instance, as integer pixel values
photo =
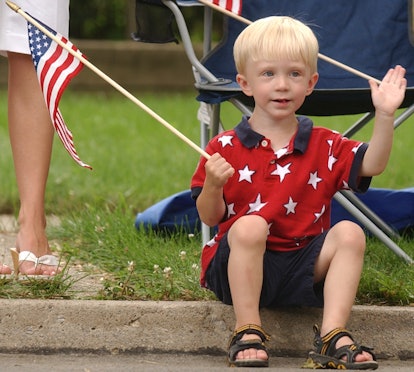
(178, 212)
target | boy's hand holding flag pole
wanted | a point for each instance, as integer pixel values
(60, 72)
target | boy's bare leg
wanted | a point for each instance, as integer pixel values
(247, 241)
(31, 137)
(341, 260)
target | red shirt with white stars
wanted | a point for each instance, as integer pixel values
(291, 189)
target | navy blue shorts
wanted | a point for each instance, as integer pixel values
(288, 277)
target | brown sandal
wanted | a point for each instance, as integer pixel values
(327, 355)
(236, 345)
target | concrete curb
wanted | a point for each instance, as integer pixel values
(54, 326)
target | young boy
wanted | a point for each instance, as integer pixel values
(268, 186)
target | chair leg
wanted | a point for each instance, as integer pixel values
(375, 230)
(352, 198)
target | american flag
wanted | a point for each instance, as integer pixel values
(55, 67)
(234, 6)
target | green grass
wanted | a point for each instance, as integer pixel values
(137, 162)
(132, 155)
(167, 267)
(146, 265)
(57, 287)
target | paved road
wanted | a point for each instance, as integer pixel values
(153, 362)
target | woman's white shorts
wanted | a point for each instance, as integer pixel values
(13, 27)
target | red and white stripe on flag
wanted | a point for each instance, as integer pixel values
(55, 67)
(234, 6)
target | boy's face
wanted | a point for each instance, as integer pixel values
(279, 87)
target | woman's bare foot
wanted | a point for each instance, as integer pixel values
(38, 262)
(5, 270)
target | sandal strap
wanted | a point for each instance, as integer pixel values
(47, 259)
(249, 329)
(351, 351)
(326, 345)
(236, 344)
(241, 345)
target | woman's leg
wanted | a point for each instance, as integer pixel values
(31, 137)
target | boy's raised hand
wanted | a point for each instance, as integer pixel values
(388, 96)
(218, 171)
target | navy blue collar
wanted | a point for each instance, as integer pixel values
(249, 138)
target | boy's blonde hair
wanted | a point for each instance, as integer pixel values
(274, 38)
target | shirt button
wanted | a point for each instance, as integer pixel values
(265, 143)
(273, 161)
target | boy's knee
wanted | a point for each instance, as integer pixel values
(351, 235)
(250, 230)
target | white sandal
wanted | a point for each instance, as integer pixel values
(19, 257)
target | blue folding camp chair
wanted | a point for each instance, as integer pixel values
(369, 35)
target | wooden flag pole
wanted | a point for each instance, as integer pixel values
(118, 87)
(321, 56)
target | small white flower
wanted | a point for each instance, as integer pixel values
(99, 229)
(167, 272)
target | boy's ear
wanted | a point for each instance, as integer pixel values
(312, 82)
(244, 85)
